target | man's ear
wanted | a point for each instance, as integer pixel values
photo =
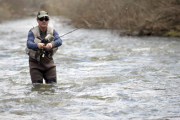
(37, 20)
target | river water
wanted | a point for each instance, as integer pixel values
(101, 76)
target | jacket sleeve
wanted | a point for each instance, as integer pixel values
(30, 41)
(57, 41)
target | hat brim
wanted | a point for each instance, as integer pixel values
(40, 16)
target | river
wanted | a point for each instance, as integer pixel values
(101, 76)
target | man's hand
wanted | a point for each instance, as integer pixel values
(40, 45)
(48, 46)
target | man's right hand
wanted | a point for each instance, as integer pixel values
(40, 45)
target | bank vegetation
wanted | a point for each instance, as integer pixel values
(131, 17)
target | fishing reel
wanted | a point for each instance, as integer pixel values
(48, 39)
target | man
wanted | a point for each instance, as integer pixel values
(42, 43)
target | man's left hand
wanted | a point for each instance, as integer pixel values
(48, 46)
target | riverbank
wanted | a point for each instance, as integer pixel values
(139, 18)
(13, 9)
(135, 18)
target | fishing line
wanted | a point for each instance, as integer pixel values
(76, 29)
(81, 27)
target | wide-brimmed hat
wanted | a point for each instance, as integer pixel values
(42, 14)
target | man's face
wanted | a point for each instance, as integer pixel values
(43, 22)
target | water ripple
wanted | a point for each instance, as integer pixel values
(101, 75)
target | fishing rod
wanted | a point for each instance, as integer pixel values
(71, 31)
(76, 29)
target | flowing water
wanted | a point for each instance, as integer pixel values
(101, 76)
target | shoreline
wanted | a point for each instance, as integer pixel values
(142, 32)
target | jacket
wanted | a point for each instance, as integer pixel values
(32, 49)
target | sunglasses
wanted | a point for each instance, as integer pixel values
(43, 18)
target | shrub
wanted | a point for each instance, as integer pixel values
(151, 17)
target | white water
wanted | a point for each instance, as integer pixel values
(100, 76)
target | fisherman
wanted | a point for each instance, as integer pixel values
(41, 63)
